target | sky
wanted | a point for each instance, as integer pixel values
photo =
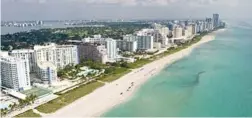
(123, 9)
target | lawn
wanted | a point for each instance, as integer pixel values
(68, 97)
(112, 77)
(28, 113)
(139, 63)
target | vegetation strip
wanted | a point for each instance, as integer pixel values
(28, 113)
(68, 97)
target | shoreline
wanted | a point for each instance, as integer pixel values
(121, 90)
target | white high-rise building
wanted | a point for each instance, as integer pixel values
(59, 55)
(189, 29)
(177, 32)
(45, 53)
(145, 42)
(26, 54)
(47, 72)
(186, 33)
(15, 73)
(111, 49)
(127, 45)
(65, 55)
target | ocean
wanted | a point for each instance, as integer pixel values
(215, 80)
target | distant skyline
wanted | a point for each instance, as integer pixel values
(123, 9)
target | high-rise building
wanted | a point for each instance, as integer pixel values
(25, 54)
(65, 55)
(209, 24)
(94, 52)
(189, 29)
(127, 45)
(47, 72)
(59, 55)
(145, 42)
(15, 73)
(194, 29)
(177, 32)
(111, 49)
(216, 20)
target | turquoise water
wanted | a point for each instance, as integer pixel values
(215, 80)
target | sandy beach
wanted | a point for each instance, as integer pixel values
(121, 90)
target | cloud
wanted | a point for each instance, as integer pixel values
(123, 2)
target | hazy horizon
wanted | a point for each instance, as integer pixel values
(123, 9)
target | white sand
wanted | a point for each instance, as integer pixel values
(108, 96)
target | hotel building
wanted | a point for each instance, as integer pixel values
(15, 73)
(25, 54)
(127, 45)
(95, 52)
(47, 72)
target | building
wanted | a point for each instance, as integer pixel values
(112, 51)
(209, 24)
(25, 54)
(15, 73)
(145, 42)
(65, 55)
(189, 31)
(177, 32)
(127, 45)
(59, 55)
(95, 39)
(47, 72)
(186, 33)
(94, 52)
(194, 29)
(43, 53)
(216, 20)
(145, 32)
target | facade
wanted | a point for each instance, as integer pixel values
(65, 55)
(127, 45)
(189, 29)
(15, 73)
(177, 32)
(216, 20)
(25, 54)
(145, 42)
(209, 24)
(186, 33)
(92, 51)
(47, 72)
(145, 32)
(194, 29)
(59, 55)
(111, 49)
(96, 39)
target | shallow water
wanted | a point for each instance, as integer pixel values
(215, 80)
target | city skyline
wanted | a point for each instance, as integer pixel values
(122, 9)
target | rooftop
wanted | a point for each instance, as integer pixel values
(22, 51)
